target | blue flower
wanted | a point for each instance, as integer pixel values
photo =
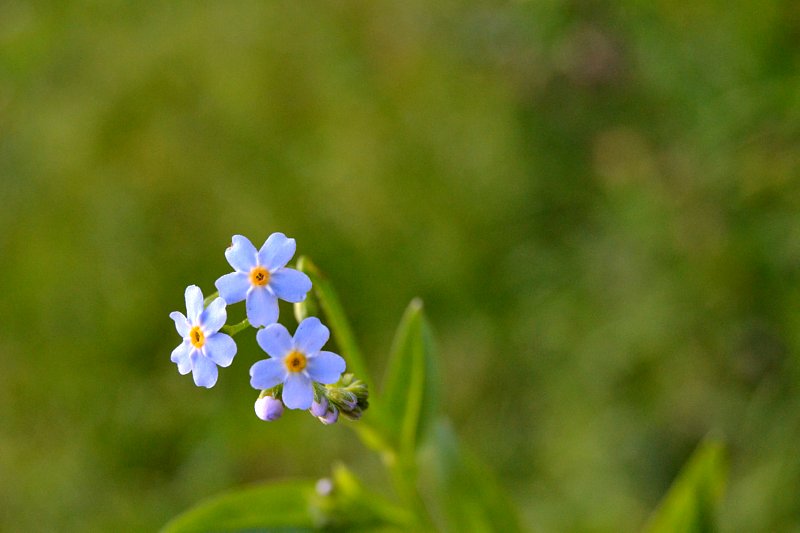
(261, 277)
(296, 362)
(203, 347)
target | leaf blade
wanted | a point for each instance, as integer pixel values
(465, 494)
(690, 503)
(410, 391)
(282, 506)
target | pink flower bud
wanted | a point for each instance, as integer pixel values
(330, 417)
(319, 409)
(268, 408)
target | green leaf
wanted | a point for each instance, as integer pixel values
(325, 296)
(464, 493)
(690, 504)
(350, 504)
(410, 392)
(273, 507)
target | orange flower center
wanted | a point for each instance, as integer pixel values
(295, 361)
(196, 337)
(259, 276)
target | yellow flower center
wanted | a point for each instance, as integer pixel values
(197, 337)
(259, 276)
(295, 361)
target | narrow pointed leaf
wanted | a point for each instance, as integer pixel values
(464, 494)
(273, 507)
(690, 504)
(324, 295)
(410, 392)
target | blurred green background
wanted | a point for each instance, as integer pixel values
(598, 201)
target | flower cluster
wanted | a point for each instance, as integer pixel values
(298, 374)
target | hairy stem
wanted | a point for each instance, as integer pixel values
(233, 329)
(210, 298)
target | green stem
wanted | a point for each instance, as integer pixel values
(210, 298)
(402, 472)
(403, 476)
(233, 329)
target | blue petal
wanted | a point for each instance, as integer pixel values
(267, 373)
(277, 251)
(180, 356)
(233, 287)
(310, 336)
(204, 371)
(290, 284)
(241, 254)
(194, 303)
(214, 316)
(275, 340)
(181, 324)
(325, 367)
(298, 393)
(262, 307)
(220, 348)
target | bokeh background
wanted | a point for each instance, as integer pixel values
(598, 201)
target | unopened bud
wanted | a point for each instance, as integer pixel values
(354, 414)
(319, 409)
(344, 398)
(268, 408)
(324, 486)
(330, 417)
(359, 388)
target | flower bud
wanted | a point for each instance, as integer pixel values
(359, 388)
(319, 409)
(343, 398)
(353, 414)
(324, 486)
(330, 417)
(268, 408)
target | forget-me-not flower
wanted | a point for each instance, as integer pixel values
(203, 346)
(261, 277)
(296, 362)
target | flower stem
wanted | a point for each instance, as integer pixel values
(402, 471)
(403, 475)
(233, 329)
(210, 298)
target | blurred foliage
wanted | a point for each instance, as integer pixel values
(690, 505)
(284, 504)
(599, 203)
